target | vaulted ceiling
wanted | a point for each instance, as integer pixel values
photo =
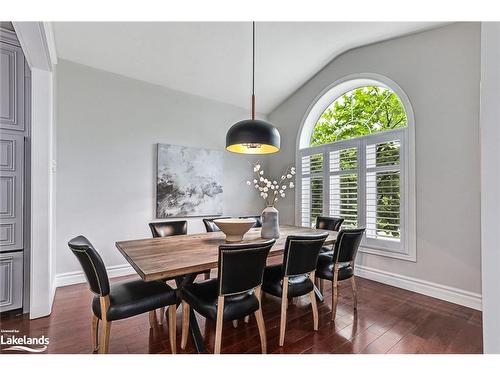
(213, 59)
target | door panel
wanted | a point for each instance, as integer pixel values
(11, 191)
(11, 277)
(11, 87)
(14, 128)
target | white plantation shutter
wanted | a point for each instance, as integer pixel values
(316, 199)
(311, 189)
(383, 194)
(305, 207)
(344, 185)
(363, 181)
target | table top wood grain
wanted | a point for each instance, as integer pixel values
(160, 258)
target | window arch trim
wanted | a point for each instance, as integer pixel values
(313, 113)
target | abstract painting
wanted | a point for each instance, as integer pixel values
(189, 181)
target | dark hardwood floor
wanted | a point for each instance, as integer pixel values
(389, 320)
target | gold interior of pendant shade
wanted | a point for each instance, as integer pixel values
(246, 149)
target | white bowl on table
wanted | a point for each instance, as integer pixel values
(234, 229)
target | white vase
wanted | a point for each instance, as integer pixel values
(270, 223)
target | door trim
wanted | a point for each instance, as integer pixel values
(35, 41)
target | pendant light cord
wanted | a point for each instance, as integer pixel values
(253, 70)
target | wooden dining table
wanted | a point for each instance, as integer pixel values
(183, 257)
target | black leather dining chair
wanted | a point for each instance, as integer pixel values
(234, 294)
(258, 220)
(168, 228)
(120, 300)
(210, 226)
(295, 277)
(339, 265)
(327, 223)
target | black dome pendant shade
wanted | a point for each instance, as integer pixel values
(253, 136)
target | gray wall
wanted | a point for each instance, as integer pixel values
(490, 204)
(107, 130)
(439, 71)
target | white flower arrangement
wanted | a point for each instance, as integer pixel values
(272, 191)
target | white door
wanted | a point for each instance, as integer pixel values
(12, 133)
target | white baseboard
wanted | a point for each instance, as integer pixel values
(77, 277)
(446, 293)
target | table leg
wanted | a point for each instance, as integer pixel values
(194, 328)
(319, 296)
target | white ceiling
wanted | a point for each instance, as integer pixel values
(213, 59)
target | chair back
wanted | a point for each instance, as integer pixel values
(258, 220)
(301, 253)
(241, 266)
(210, 226)
(168, 228)
(347, 244)
(92, 264)
(329, 223)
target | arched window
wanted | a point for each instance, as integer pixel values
(354, 162)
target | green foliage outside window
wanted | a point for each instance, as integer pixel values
(362, 111)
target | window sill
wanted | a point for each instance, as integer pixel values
(387, 253)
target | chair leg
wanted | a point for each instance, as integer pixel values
(314, 306)
(284, 305)
(235, 323)
(185, 324)
(354, 293)
(334, 291)
(162, 316)
(319, 283)
(106, 326)
(218, 326)
(162, 312)
(260, 324)
(207, 275)
(152, 319)
(104, 345)
(172, 334)
(95, 333)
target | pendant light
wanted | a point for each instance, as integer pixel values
(253, 136)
